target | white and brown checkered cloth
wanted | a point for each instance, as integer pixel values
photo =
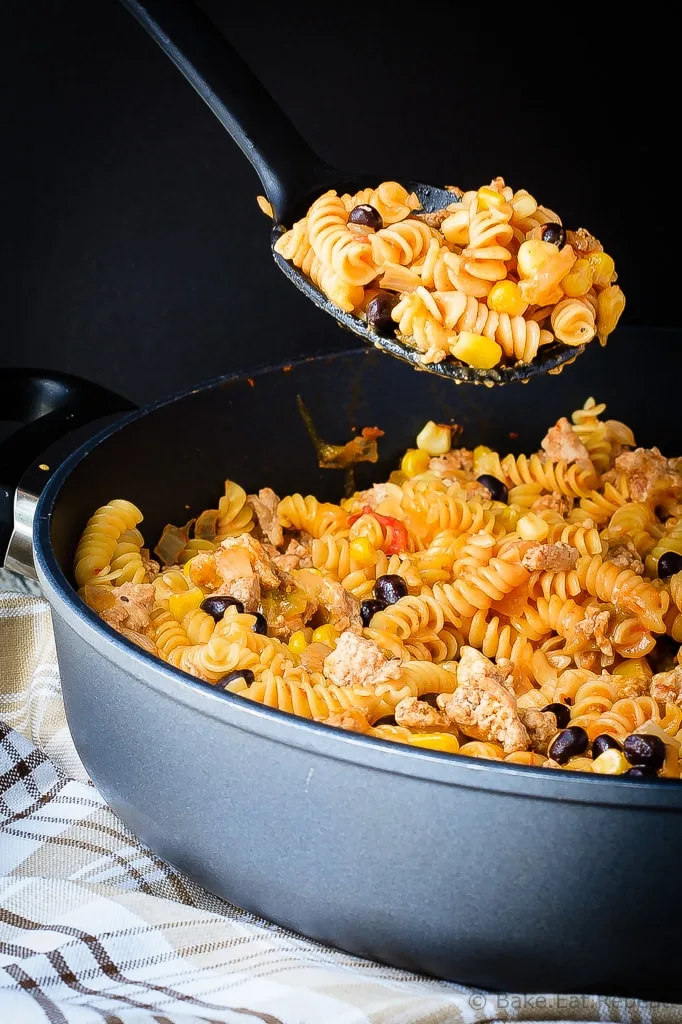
(95, 927)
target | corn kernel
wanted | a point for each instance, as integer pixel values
(603, 268)
(444, 741)
(524, 204)
(611, 762)
(633, 668)
(489, 197)
(297, 642)
(532, 527)
(187, 601)
(610, 305)
(362, 552)
(414, 462)
(484, 460)
(434, 438)
(532, 254)
(476, 350)
(579, 281)
(505, 297)
(325, 635)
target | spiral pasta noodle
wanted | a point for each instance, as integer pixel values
(102, 533)
(559, 476)
(473, 604)
(402, 243)
(308, 514)
(126, 562)
(305, 698)
(235, 516)
(600, 505)
(334, 244)
(573, 322)
(636, 521)
(670, 541)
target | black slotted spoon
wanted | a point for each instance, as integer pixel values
(293, 176)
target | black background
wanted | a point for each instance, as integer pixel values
(133, 251)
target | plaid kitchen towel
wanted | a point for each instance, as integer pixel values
(95, 927)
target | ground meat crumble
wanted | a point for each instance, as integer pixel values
(562, 444)
(128, 606)
(541, 727)
(595, 628)
(623, 554)
(667, 686)
(264, 505)
(419, 714)
(648, 474)
(350, 719)
(456, 461)
(482, 706)
(359, 662)
(557, 557)
(553, 502)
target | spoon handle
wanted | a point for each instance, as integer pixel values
(288, 168)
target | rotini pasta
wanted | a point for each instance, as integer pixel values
(487, 280)
(97, 545)
(517, 608)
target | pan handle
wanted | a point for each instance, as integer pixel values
(48, 406)
(288, 168)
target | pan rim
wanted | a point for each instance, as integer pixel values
(522, 781)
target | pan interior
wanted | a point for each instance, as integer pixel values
(173, 459)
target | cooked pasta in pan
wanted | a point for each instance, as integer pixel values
(486, 281)
(517, 608)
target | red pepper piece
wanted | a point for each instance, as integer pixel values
(398, 540)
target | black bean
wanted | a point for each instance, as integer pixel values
(241, 673)
(379, 313)
(643, 750)
(498, 491)
(386, 720)
(641, 771)
(369, 608)
(390, 589)
(555, 234)
(366, 215)
(664, 655)
(561, 712)
(568, 743)
(261, 623)
(430, 698)
(604, 742)
(218, 605)
(668, 564)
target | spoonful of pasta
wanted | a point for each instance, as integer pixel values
(483, 285)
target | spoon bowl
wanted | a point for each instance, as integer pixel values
(550, 358)
(293, 175)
